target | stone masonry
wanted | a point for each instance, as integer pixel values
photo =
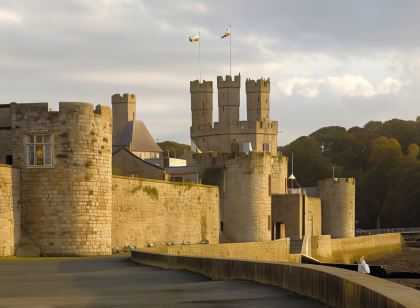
(9, 210)
(338, 206)
(146, 211)
(66, 207)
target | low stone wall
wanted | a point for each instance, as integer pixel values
(9, 210)
(349, 250)
(264, 251)
(145, 211)
(333, 286)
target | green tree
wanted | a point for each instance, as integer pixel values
(173, 148)
(309, 163)
(413, 151)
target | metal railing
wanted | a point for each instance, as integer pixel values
(387, 230)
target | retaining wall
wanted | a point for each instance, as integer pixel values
(349, 250)
(264, 251)
(333, 286)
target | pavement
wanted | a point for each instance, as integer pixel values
(117, 282)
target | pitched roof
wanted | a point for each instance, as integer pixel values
(136, 133)
(127, 152)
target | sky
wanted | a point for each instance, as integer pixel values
(329, 62)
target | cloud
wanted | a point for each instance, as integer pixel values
(302, 86)
(346, 85)
(350, 85)
(88, 50)
(7, 17)
(389, 85)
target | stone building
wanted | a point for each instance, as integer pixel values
(241, 158)
(64, 160)
(129, 133)
(58, 195)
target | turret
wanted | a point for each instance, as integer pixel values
(123, 111)
(338, 206)
(201, 103)
(229, 99)
(258, 99)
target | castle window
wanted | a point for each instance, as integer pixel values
(266, 147)
(39, 150)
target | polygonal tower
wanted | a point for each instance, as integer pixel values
(123, 111)
(337, 206)
(258, 99)
(201, 103)
(228, 99)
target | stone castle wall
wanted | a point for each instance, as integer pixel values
(146, 211)
(66, 208)
(313, 217)
(349, 250)
(287, 209)
(228, 135)
(247, 197)
(9, 210)
(300, 214)
(338, 206)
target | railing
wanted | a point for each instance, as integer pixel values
(387, 230)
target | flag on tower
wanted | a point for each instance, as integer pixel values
(226, 34)
(194, 38)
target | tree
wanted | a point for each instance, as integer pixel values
(413, 151)
(173, 148)
(309, 163)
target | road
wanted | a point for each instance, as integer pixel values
(116, 282)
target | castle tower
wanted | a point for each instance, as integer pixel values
(201, 103)
(228, 99)
(250, 180)
(66, 184)
(258, 99)
(123, 111)
(337, 206)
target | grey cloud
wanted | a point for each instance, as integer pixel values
(88, 50)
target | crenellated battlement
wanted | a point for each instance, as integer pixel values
(204, 86)
(41, 111)
(259, 85)
(228, 82)
(124, 98)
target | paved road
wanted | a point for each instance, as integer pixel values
(116, 282)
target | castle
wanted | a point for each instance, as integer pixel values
(241, 157)
(58, 194)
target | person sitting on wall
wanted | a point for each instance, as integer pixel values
(363, 266)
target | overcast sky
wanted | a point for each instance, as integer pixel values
(330, 62)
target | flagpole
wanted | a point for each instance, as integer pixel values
(199, 53)
(230, 51)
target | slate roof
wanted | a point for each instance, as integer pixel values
(136, 133)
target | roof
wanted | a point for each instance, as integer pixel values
(136, 157)
(136, 134)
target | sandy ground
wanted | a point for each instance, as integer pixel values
(117, 282)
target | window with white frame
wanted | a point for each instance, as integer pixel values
(39, 150)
